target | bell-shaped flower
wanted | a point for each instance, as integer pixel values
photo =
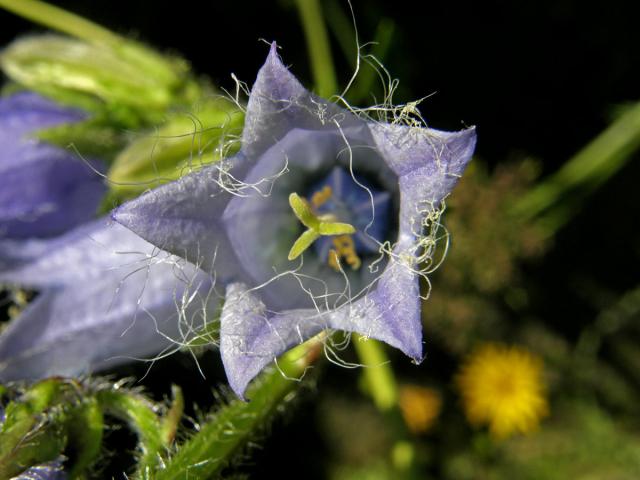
(105, 297)
(45, 190)
(325, 219)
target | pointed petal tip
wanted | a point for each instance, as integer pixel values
(470, 134)
(412, 348)
(239, 388)
(126, 213)
(239, 375)
(121, 216)
(273, 59)
(416, 354)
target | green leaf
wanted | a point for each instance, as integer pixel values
(318, 47)
(59, 19)
(553, 201)
(303, 242)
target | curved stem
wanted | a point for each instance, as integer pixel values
(231, 428)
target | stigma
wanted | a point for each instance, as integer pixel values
(344, 246)
(345, 219)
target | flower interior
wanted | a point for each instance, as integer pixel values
(343, 185)
(344, 198)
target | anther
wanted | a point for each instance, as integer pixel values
(321, 196)
(345, 248)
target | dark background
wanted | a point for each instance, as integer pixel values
(537, 78)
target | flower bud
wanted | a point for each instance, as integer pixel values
(123, 75)
(183, 143)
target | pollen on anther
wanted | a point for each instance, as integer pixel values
(344, 248)
(321, 196)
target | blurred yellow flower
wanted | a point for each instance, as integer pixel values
(502, 386)
(420, 406)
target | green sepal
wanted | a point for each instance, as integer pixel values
(44, 421)
(31, 432)
(84, 428)
(171, 420)
(94, 137)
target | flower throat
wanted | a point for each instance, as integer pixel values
(345, 219)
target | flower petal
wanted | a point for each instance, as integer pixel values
(184, 217)
(120, 300)
(278, 103)
(26, 112)
(251, 337)
(46, 190)
(406, 149)
(389, 313)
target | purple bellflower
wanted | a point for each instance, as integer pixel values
(105, 296)
(45, 189)
(323, 220)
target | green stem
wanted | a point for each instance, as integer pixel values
(139, 413)
(377, 372)
(233, 426)
(383, 389)
(58, 19)
(341, 27)
(368, 74)
(318, 47)
(587, 170)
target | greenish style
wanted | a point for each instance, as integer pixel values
(316, 226)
